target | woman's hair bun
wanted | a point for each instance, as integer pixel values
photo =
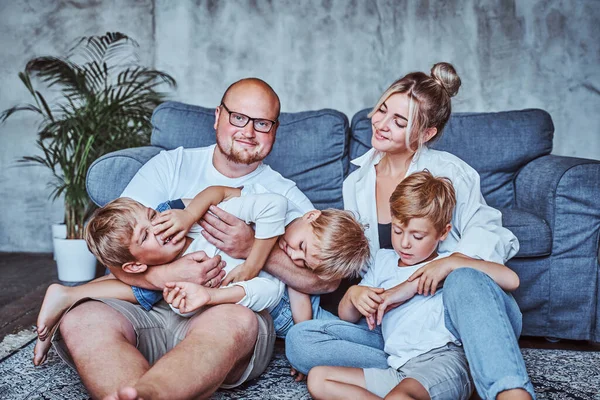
(445, 74)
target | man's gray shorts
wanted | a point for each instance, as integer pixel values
(160, 329)
(443, 372)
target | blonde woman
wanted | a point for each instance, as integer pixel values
(408, 117)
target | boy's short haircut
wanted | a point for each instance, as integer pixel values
(422, 195)
(342, 244)
(109, 231)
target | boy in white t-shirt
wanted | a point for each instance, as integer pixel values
(126, 235)
(400, 293)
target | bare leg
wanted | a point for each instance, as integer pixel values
(102, 344)
(514, 394)
(408, 389)
(338, 383)
(216, 349)
(59, 298)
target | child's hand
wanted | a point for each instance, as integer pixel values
(366, 300)
(240, 273)
(431, 275)
(173, 223)
(186, 296)
(395, 297)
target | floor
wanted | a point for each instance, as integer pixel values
(24, 278)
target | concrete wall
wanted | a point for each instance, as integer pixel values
(331, 53)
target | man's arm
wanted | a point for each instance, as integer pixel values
(194, 267)
(301, 279)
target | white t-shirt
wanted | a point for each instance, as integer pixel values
(270, 213)
(477, 229)
(416, 326)
(182, 173)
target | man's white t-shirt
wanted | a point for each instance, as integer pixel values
(183, 173)
(416, 326)
(270, 213)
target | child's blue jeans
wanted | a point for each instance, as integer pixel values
(486, 319)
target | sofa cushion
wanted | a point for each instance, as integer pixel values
(311, 146)
(497, 145)
(534, 234)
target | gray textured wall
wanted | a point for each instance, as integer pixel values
(332, 53)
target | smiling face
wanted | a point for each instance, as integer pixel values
(299, 241)
(417, 240)
(146, 247)
(389, 124)
(245, 145)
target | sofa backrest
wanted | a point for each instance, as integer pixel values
(497, 145)
(311, 147)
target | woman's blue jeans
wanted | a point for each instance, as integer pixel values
(477, 311)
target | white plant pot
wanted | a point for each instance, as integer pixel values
(59, 231)
(74, 261)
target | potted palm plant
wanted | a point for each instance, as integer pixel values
(102, 101)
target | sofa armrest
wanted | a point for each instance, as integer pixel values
(565, 192)
(108, 176)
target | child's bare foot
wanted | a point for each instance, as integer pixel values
(56, 301)
(40, 351)
(127, 393)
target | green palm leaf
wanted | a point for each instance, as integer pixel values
(106, 104)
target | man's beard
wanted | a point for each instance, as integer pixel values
(240, 157)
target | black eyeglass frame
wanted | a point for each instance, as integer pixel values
(254, 120)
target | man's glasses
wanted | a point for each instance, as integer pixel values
(241, 120)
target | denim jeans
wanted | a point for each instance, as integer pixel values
(282, 314)
(477, 311)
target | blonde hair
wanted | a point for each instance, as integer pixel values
(421, 195)
(109, 231)
(429, 101)
(343, 248)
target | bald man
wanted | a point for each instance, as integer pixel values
(122, 351)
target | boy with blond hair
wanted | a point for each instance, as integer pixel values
(126, 235)
(425, 359)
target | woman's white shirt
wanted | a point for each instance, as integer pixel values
(477, 229)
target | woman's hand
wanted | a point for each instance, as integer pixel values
(227, 232)
(433, 273)
(174, 224)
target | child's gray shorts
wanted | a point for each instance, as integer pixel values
(443, 372)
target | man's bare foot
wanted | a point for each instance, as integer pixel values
(126, 393)
(56, 301)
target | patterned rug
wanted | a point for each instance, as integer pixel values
(556, 374)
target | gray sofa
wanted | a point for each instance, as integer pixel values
(549, 202)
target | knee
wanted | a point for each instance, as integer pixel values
(239, 322)
(463, 281)
(90, 323)
(316, 382)
(78, 320)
